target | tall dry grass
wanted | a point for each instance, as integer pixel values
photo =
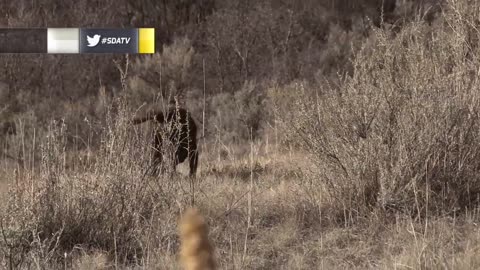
(395, 143)
(108, 203)
(401, 133)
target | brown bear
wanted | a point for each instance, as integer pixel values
(178, 127)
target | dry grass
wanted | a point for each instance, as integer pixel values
(401, 133)
(377, 172)
(287, 230)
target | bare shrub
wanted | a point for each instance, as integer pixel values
(402, 132)
(108, 205)
(238, 117)
(162, 75)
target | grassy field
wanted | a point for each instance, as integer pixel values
(259, 210)
(374, 168)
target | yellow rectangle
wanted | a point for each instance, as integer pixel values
(146, 40)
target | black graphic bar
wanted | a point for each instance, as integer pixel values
(21, 40)
(101, 40)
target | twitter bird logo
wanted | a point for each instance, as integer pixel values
(93, 41)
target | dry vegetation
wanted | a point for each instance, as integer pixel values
(331, 137)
